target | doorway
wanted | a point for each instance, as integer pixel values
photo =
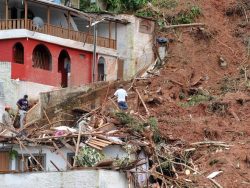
(101, 69)
(4, 161)
(64, 67)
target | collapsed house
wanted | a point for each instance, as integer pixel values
(45, 45)
(73, 140)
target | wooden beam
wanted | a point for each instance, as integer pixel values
(48, 20)
(6, 12)
(26, 14)
(115, 34)
(77, 144)
(142, 102)
(110, 34)
(68, 20)
(55, 166)
(184, 25)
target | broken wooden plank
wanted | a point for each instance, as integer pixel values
(104, 141)
(113, 102)
(215, 183)
(147, 111)
(77, 145)
(184, 25)
(215, 143)
(55, 166)
(47, 117)
(98, 143)
(94, 146)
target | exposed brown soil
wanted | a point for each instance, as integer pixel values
(192, 59)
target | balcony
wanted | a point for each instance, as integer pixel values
(57, 31)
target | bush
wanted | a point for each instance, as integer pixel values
(153, 123)
(88, 157)
(165, 3)
(186, 17)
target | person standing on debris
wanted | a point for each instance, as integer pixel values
(121, 95)
(6, 119)
(23, 106)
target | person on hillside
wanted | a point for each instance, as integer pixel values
(121, 95)
(6, 119)
(23, 106)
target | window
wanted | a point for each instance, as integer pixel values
(41, 57)
(29, 164)
(18, 53)
(70, 158)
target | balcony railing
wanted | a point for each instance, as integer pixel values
(58, 32)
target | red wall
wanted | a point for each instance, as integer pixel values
(80, 67)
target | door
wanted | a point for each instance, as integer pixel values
(4, 161)
(120, 69)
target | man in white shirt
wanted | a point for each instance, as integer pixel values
(121, 95)
(6, 119)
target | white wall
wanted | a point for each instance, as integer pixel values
(134, 47)
(70, 179)
(53, 156)
(15, 89)
(110, 152)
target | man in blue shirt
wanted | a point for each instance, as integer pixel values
(23, 106)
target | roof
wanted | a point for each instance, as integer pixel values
(59, 6)
(81, 13)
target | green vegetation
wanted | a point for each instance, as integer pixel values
(131, 122)
(139, 126)
(186, 17)
(88, 157)
(13, 154)
(115, 6)
(153, 123)
(229, 85)
(196, 99)
(165, 3)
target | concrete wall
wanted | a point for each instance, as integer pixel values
(110, 67)
(134, 47)
(70, 179)
(15, 89)
(53, 98)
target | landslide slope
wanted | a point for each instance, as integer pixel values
(204, 86)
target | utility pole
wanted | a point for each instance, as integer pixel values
(94, 54)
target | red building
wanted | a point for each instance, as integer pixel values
(58, 50)
(46, 63)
